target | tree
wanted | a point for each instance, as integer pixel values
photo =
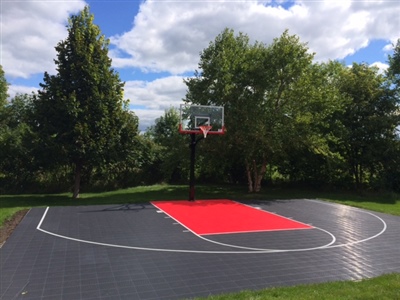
(172, 146)
(3, 98)
(393, 72)
(391, 161)
(16, 140)
(79, 112)
(3, 89)
(311, 156)
(257, 85)
(128, 161)
(368, 123)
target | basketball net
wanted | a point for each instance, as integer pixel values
(205, 129)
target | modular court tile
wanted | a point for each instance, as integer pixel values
(135, 251)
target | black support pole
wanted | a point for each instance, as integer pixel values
(192, 146)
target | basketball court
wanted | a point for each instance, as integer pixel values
(185, 249)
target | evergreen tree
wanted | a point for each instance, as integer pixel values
(79, 113)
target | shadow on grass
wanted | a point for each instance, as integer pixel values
(180, 192)
(125, 196)
(8, 201)
(383, 198)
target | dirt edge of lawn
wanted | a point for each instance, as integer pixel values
(10, 224)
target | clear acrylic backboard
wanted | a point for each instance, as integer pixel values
(201, 119)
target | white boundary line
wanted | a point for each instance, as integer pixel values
(360, 210)
(275, 250)
(260, 230)
(248, 250)
(42, 219)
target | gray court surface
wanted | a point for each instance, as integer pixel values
(138, 252)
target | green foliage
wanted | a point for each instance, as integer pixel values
(393, 72)
(4, 114)
(3, 90)
(266, 90)
(221, 81)
(16, 157)
(171, 148)
(79, 115)
(367, 125)
(287, 118)
(317, 123)
(309, 158)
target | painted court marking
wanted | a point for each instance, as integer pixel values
(246, 250)
(210, 217)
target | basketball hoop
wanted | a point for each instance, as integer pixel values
(205, 129)
(199, 119)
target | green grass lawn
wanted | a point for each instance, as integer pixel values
(383, 287)
(9, 204)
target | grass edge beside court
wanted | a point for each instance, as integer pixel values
(10, 204)
(386, 286)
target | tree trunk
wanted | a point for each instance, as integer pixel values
(249, 179)
(77, 182)
(260, 176)
(356, 176)
(255, 175)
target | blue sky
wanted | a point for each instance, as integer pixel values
(156, 43)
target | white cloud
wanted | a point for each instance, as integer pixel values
(29, 33)
(381, 66)
(168, 36)
(158, 94)
(20, 89)
(147, 117)
(154, 97)
(388, 47)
